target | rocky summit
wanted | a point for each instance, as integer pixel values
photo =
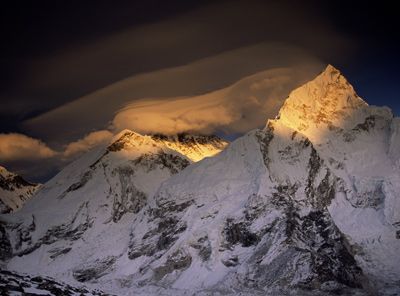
(309, 205)
(14, 191)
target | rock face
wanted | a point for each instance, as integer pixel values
(14, 191)
(307, 206)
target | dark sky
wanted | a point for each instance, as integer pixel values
(56, 52)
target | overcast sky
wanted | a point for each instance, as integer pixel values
(74, 73)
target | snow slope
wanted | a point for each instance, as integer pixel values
(309, 203)
(83, 215)
(17, 284)
(14, 191)
(307, 206)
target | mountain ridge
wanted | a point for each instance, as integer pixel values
(306, 206)
(14, 191)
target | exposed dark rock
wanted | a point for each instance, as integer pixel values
(58, 252)
(336, 164)
(13, 182)
(169, 226)
(5, 244)
(189, 140)
(203, 246)
(70, 231)
(325, 192)
(370, 195)
(349, 136)
(5, 209)
(121, 143)
(93, 270)
(265, 137)
(322, 194)
(254, 207)
(158, 239)
(170, 206)
(24, 234)
(366, 126)
(79, 184)
(237, 232)
(292, 218)
(173, 163)
(283, 195)
(136, 251)
(231, 261)
(177, 261)
(368, 123)
(312, 241)
(160, 137)
(16, 284)
(330, 259)
(130, 199)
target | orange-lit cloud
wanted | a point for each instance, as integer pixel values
(71, 120)
(245, 105)
(19, 147)
(86, 143)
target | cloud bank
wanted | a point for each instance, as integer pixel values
(236, 109)
(86, 143)
(35, 159)
(19, 147)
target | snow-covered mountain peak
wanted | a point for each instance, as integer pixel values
(307, 206)
(194, 147)
(14, 191)
(128, 139)
(327, 103)
(4, 173)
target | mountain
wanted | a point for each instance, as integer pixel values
(84, 214)
(14, 191)
(309, 205)
(194, 147)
